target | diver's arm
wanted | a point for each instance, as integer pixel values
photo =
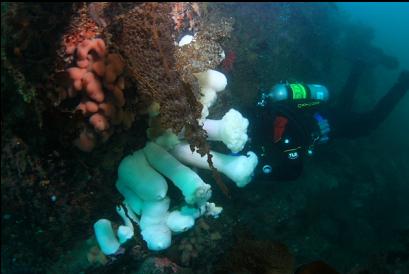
(372, 57)
(347, 124)
(388, 102)
(348, 92)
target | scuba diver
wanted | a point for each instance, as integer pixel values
(295, 117)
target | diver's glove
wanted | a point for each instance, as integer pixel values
(324, 128)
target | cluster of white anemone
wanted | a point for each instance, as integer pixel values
(141, 177)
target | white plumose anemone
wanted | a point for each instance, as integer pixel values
(239, 169)
(192, 186)
(231, 130)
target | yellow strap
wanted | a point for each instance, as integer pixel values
(299, 91)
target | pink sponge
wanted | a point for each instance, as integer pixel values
(86, 141)
(99, 122)
(88, 107)
(93, 87)
(103, 107)
(118, 94)
(99, 68)
(85, 48)
(91, 106)
(76, 75)
(108, 109)
(114, 68)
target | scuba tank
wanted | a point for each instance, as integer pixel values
(298, 92)
(301, 105)
(303, 95)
